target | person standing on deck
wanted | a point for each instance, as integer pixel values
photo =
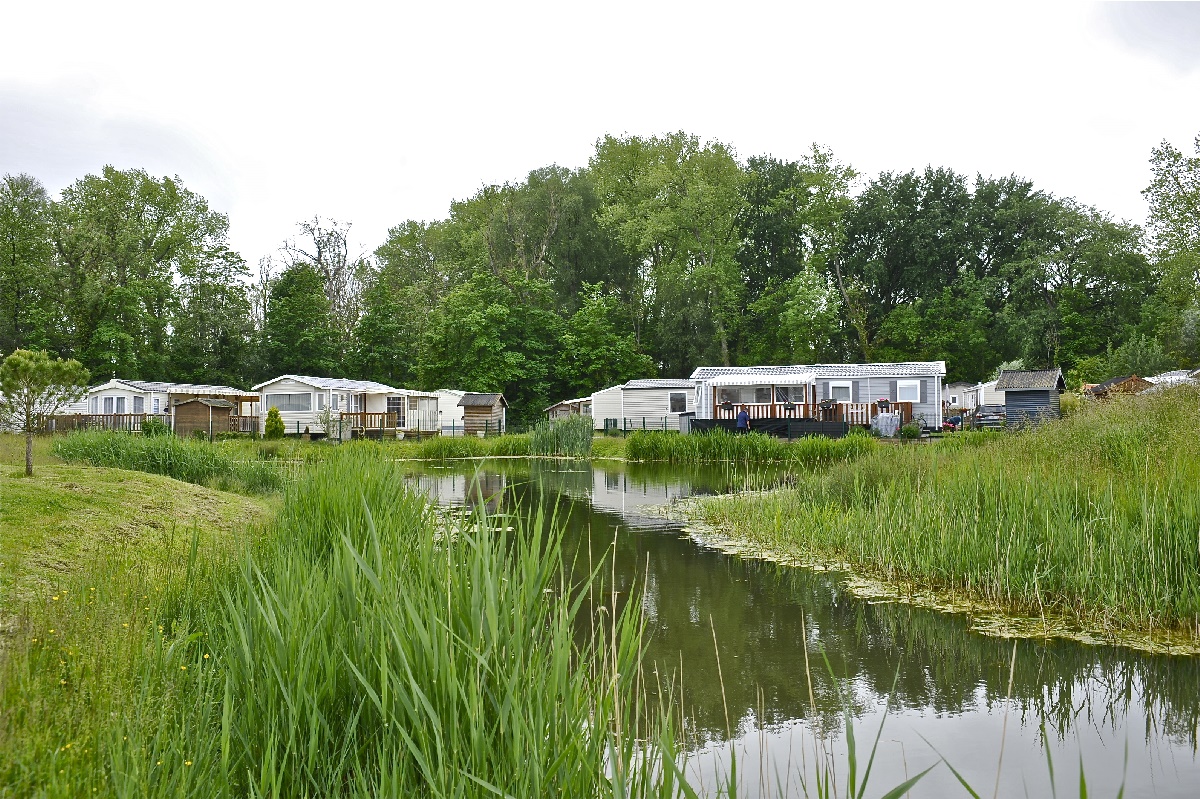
(743, 420)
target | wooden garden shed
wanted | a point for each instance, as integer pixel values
(206, 414)
(483, 414)
(1031, 395)
(1129, 384)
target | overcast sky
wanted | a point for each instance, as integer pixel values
(375, 113)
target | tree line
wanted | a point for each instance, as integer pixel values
(663, 253)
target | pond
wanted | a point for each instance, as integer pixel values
(1124, 715)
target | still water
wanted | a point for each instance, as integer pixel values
(1123, 717)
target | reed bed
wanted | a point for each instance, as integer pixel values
(1091, 519)
(570, 437)
(190, 461)
(369, 646)
(720, 446)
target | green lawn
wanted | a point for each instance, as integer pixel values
(65, 516)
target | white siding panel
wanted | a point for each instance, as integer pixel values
(654, 405)
(606, 404)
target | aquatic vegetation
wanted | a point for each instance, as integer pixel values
(1092, 518)
(720, 446)
(571, 437)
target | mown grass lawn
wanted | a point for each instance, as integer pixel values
(67, 517)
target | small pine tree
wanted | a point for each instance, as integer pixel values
(274, 427)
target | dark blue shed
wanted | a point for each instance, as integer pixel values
(1030, 395)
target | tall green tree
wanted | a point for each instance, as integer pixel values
(598, 348)
(487, 335)
(1174, 227)
(1072, 298)
(672, 202)
(30, 304)
(211, 329)
(789, 226)
(299, 334)
(122, 238)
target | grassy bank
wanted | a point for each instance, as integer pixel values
(363, 648)
(720, 446)
(1092, 519)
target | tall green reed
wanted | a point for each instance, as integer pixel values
(190, 461)
(720, 446)
(1093, 517)
(571, 436)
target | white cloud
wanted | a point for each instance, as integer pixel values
(376, 114)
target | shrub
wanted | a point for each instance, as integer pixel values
(155, 427)
(274, 427)
(910, 431)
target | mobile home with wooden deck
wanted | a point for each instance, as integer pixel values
(850, 393)
(355, 407)
(124, 404)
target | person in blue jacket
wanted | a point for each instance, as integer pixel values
(743, 420)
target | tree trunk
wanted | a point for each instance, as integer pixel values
(29, 453)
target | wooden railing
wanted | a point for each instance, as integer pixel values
(857, 413)
(129, 422)
(371, 421)
(243, 424)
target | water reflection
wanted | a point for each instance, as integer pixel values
(951, 686)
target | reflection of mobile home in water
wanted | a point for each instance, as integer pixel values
(483, 490)
(624, 494)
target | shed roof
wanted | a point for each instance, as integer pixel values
(336, 384)
(655, 382)
(212, 403)
(473, 400)
(1102, 388)
(1031, 380)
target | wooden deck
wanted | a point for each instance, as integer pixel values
(854, 413)
(126, 422)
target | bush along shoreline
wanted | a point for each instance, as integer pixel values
(720, 446)
(1087, 524)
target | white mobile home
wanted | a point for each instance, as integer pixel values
(124, 404)
(450, 413)
(983, 394)
(852, 393)
(362, 406)
(653, 404)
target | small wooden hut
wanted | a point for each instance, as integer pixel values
(1129, 384)
(206, 414)
(1031, 395)
(483, 414)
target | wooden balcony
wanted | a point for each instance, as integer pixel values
(855, 413)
